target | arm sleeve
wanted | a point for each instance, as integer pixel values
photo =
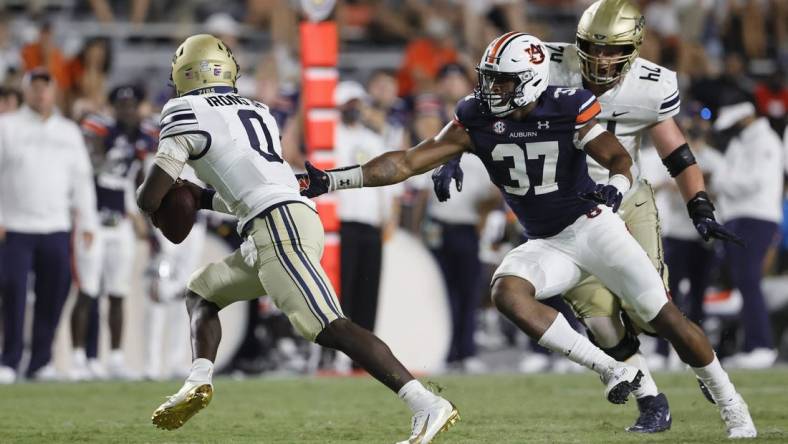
(174, 151)
(83, 188)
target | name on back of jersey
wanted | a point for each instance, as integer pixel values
(231, 99)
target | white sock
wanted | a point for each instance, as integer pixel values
(717, 381)
(79, 358)
(416, 396)
(647, 385)
(560, 337)
(202, 370)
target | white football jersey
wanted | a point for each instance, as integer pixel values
(241, 155)
(646, 95)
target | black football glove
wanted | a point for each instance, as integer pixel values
(604, 194)
(701, 211)
(314, 182)
(442, 176)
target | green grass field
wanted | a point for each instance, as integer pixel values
(495, 409)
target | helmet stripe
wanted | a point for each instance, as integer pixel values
(513, 38)
(498, 43)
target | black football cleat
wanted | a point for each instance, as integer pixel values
(654, 415)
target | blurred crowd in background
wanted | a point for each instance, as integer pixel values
(403, 67)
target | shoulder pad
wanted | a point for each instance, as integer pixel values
(469, 112)
(177, 117)
(659, 86)
(578, 104)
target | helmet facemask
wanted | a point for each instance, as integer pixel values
(503, 92)
(604, 64)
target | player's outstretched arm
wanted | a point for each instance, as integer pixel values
(678, 159)
(396, 166)
(389, 168)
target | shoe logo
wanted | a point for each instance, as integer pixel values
(417, 439)
(667, 417)
(640, 204)
(616, 114)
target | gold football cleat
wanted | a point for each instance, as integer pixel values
(433, 421)
(181, 406)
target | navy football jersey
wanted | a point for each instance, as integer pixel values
(120, 162)
(535, 162)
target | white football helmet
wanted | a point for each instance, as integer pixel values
(513, 72)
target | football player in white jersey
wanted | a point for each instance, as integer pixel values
(232, 143)
(636, 97)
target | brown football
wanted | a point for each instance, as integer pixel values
(176, 214)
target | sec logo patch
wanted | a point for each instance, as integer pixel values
(499, 127)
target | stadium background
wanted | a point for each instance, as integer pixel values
(92, 46)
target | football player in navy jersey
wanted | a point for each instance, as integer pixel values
(639, 101)
(119, 145)
(533, 140)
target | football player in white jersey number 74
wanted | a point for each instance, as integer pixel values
(636, 97)
(232, 143)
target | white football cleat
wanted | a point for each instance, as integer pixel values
(430, 422)
(190, 399)
(738, 421)
(620, 381)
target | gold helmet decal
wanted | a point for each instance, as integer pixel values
(609, 36)
(203, 61)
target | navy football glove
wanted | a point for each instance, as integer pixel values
(701, 211)
(314, 182)
(604, 194)
(442, 176)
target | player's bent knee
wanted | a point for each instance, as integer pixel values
(331, 336)
(625, 349)
(505, 288)
(605, 331)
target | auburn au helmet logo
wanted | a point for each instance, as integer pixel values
(536, 54)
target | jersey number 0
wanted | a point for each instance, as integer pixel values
(247, 116)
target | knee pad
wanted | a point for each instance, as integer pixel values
(628, 347)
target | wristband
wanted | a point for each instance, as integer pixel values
(344, 178)
(620, 182)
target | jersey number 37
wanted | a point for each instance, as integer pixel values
(519, 175)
